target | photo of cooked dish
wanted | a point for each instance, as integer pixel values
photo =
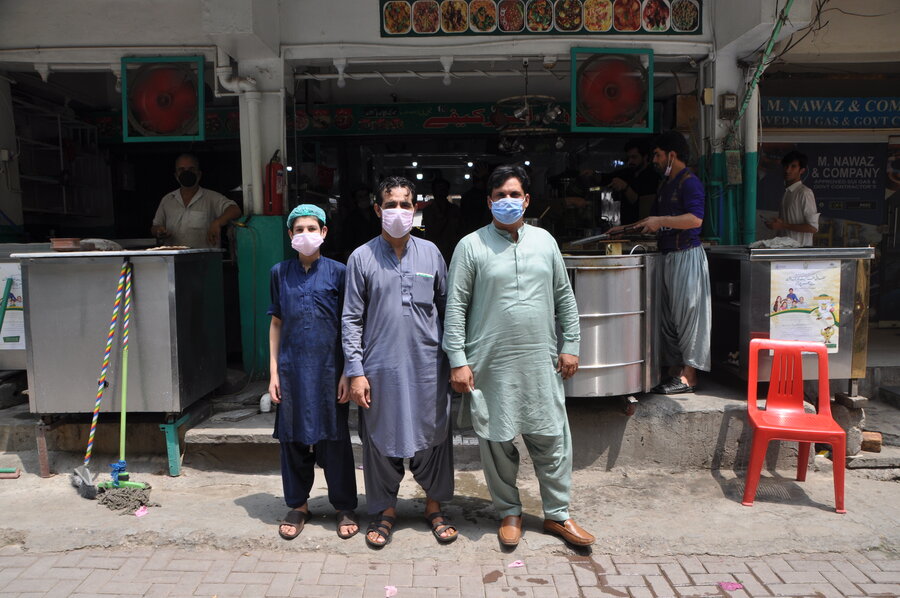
(397, 17)
(454, 16)
(426, 16)
(539, 15)
(483, 15)
(685, 15)
(511, 16)
(627, 15)
(597, 15)
(655, 15)
(568, 15)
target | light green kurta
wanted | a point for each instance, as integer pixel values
(501, 301)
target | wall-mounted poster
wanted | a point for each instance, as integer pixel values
(540, 17)
(805, 302)
(12, 330)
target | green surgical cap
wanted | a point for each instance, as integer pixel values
(305, 209)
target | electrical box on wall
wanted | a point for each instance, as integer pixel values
(728, 106)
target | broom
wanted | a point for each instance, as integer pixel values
(82, 478)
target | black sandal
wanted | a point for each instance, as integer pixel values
(439, 528)
(378, 526)
(296, 518)
(345, 518)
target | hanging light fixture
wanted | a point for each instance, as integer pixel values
(524, 115)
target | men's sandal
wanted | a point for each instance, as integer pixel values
(510, 531)
(569, 531)
(673, 386)
(345, 518)
(384, 531)
(439, 527)
(295, 518)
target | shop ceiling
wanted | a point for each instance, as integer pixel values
(460, 79)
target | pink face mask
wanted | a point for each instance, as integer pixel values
(306, 243)
(397, 222)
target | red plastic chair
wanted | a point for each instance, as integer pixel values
(784, 417)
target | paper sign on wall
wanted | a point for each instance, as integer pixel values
(805, 302)
(12, 334)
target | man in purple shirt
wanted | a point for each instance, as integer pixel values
(676, 218)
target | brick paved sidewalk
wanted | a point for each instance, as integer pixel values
(150, 572)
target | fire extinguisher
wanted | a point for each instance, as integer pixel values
(273, 202)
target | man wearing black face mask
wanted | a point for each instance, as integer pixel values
(191, 215)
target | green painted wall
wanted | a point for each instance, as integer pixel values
(262, 242)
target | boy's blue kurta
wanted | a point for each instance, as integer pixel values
(392, 328)
(310, 360)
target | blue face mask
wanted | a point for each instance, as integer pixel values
(508, 210)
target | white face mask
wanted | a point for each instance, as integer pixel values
(397, 222)
(307, 243)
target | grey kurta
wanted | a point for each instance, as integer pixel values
(501, 302)
(392, 327)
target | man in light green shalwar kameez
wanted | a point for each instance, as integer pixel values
(506, 282)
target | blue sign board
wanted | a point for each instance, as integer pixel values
(830, 113)
(848, 179)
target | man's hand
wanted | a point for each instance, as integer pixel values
(462, 379)
(159, 232)
(775, 224)
(343, 390)
(567, 365)
(618, 184)
(214, 233)
(650, 224)
(360, 391)
(275, 387)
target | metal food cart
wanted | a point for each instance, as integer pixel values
(176, 346)
(743, 306)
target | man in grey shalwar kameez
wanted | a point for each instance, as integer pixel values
(392, 326)
(507, 281)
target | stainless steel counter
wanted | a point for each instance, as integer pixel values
(742, 305)
(176, 346)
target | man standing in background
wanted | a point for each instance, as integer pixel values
(797, 215)
(192, 216)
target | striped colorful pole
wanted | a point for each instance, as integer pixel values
(124, 381)
(104, 368)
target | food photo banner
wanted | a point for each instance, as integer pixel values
(401, 18)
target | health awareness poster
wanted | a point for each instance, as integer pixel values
(804, 302)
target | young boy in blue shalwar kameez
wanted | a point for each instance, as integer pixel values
(306, 362)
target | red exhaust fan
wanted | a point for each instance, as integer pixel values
(612, 90)
(163, 99)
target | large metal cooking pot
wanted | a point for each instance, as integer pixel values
(618, 308)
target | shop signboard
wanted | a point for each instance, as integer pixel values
(425, 18)
(848, 179)
(830, 113)
(220, 123)
(409, 119)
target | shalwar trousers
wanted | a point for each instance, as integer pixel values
(335, 457)
(552, 457)
(686, 314)
(432, 468)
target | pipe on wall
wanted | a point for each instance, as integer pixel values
(245, 87)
